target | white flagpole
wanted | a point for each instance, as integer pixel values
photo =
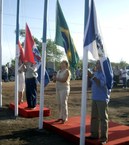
(43, 64)
(84, 82)
(1, 21)
(16, 60)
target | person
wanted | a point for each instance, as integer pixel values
(124, 77)
(117, 74)
(100, 100)
(62, 79)
(6, 72)
(30, 84)
(78, 73)
(21, 82)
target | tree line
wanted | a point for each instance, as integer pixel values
(54, 54)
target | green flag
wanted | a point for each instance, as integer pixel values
(63, 37)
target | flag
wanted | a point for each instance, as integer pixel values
(63, 37)
(46, 80)
(21, 50)
(93, 42)
(32, 55)
(36, 53)
(29, 43)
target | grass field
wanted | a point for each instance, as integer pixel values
(24, 131)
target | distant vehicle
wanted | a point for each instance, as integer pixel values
(50, 72)
(121, 81)
(127, 78)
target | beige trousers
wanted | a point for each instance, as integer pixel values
(99, 120)
(62, 100)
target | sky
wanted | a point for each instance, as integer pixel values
(113, 18)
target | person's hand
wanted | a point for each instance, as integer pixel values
(19, 71)
(90, 74)
(54, 78)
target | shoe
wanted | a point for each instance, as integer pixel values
(30, 108)
(58, 120)
(20, 102)
(92, 138)
(103, 142)
(63, 121)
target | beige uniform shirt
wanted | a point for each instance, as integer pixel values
(63, 85)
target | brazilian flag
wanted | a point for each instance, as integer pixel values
(63, 37)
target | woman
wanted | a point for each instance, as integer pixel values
(62, 79)
(21, 77)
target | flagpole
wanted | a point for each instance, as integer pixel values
(16, 60)
(1, 21)
(43, 64)
(84, 82)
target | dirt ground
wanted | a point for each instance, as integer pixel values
(24, 131)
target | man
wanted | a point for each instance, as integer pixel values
(117, 74)
(100, 100)
(124, 77)
(6, 73)
(30, 84)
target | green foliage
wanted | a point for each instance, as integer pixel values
(13, 62)
(121, 64)
(79, 64)
(22, 32)
(38, 44)
(52, 53)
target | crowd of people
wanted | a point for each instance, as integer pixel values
(120, 74)
(78, 73)
(8, 73)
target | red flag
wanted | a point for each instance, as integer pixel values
(21, 51)
(29, 43)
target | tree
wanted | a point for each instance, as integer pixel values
(123, 64)
(53, 54)
(22, 32)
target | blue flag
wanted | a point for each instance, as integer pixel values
(46, 80)
(93, 42)
(37, 59)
